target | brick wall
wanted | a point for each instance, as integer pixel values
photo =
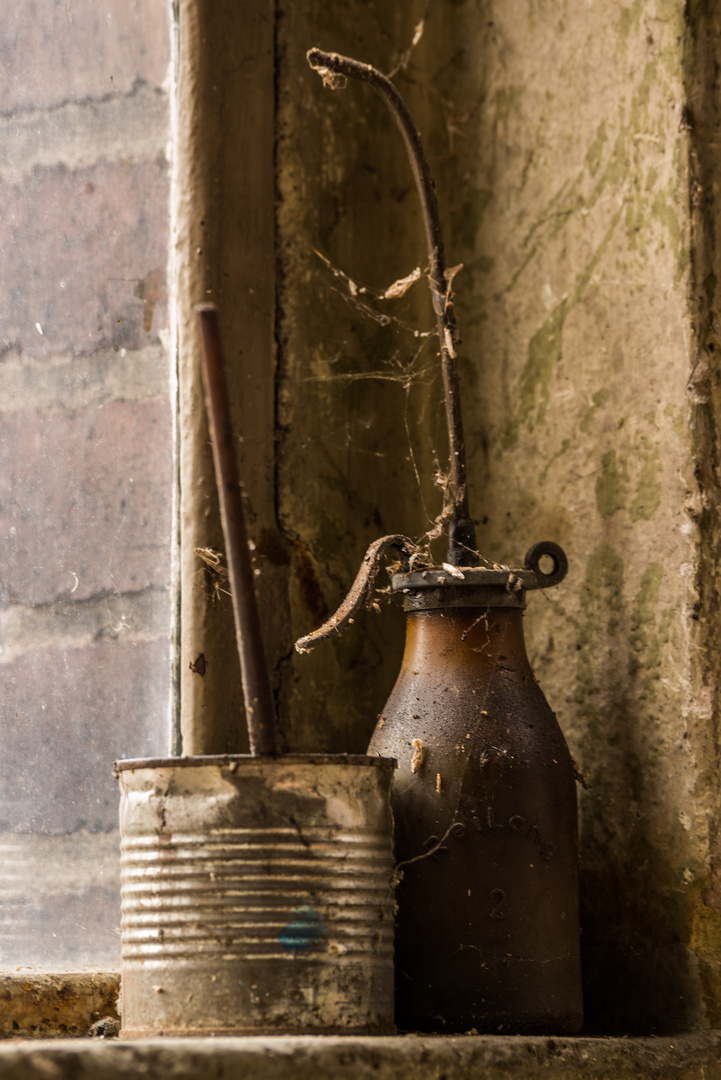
(85, 456)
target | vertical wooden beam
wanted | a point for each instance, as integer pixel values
(224, 252)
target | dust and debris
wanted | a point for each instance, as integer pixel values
(332, 79)
(698, 388)
(448, 342)
(107, 1028)
(449, 275)
(406, 370)
(199, 666)
(151, 291)
(402, 285)
(216, 574)
(579, 777)
(353, 288)
(394, 291)
(210, 557)
(442, 482)
(439, 784)
(398, 875)
(481, 618)
(405, 56)
(418, 755)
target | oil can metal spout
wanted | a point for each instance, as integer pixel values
(484, 805)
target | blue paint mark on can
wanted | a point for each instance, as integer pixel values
(305, 931)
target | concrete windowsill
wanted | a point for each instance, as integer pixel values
(694, 1056)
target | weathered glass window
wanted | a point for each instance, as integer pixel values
(85, 458)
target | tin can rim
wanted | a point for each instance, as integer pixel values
(194, 760)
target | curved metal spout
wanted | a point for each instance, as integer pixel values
(332, 68)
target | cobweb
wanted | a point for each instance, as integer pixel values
(412, 360)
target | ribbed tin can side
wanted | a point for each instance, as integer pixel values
(257, 896)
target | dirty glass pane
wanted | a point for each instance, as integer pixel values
(85, 459)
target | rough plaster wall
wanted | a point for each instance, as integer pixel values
(587, 344)
(582, 324)
(560, 140)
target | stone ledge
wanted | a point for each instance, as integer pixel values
(55, 1004)
(687, 1057)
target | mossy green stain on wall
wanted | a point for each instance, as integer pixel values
(506, 98)
(628, 20)
(568, 199)
(613, 480)
(642, 617)
(601, 598)
(670, 11)
(565, 446)
(611, 484)
(615, 171)
(544, 352)
(677, 417)
(642, 212)
(603, 584)
(599, 399)
(545, 347)
(637, 119)
(595, 150)
(636, 218)
(647, 597)
(664, 212)
(647, 634)
(639, 112)
(648, 489)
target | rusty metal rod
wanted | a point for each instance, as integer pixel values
(361, 589)
(259, 707)
(462, 537)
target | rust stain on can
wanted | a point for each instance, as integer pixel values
(257, 895)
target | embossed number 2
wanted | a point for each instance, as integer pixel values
(500, 897)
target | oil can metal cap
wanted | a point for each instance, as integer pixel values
(482, 586)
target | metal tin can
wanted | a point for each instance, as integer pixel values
(257, 895)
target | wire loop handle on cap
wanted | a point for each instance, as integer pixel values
(560, 562)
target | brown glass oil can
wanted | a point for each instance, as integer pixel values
(484, 806)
